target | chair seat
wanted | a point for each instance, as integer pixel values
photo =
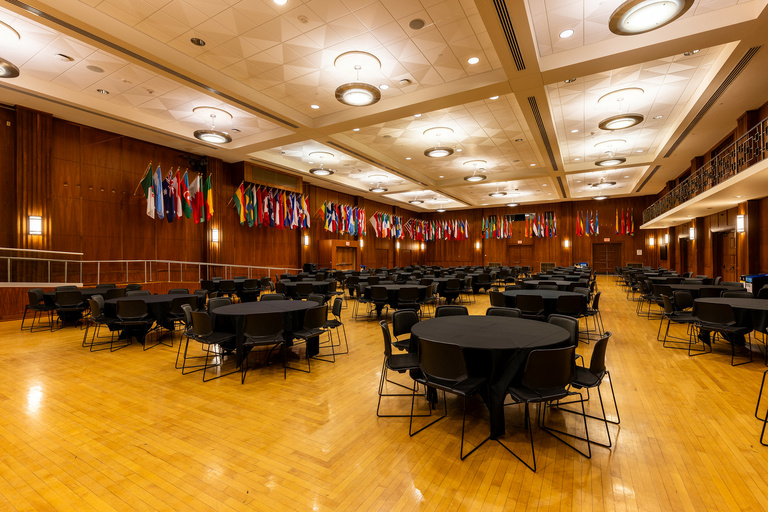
(463, 387)
(308, 333)
(521, 394)
(584, 378)
(226, 340)
(402, 362)
(252, 341)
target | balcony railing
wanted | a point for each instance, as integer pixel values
(739, 156)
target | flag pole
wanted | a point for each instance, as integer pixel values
(142, 179)
(231, 199)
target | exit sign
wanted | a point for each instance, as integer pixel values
(606, 239)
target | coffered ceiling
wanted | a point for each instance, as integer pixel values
(524, 117)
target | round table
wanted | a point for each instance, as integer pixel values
(549, 296)
(752, 313)
(495, 348)
(232, 319)
(561, 285)
(158, 306)
(393, 291)
(320, 287)
(695, 289)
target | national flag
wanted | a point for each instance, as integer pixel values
(239, 198)
(616, 227)
(194, 198)
(632, 222)
(186, 201)
(597, 224)
(157, 183)
(177, 194)
(208, 195)
(149, 193)
(169, 202)
(250, 206)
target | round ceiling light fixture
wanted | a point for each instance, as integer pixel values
(319, 171)
(357, 93)
(416, 201)
(438, 152)
(440, 210)
(639, 16)
(610, 160)
(213, 135)
(378, 189)
(602, 184)
(620, 121)
(7, 69)
(600, 197)
(498, 193)
(512, 205)
(474, 178)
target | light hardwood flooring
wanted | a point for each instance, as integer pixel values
(126, 431)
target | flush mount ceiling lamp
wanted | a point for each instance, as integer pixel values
(479, 165)
(438, 150)
(600, 197)
(639, 16)
(213, 135)
(498, 193)
(602, 184)
(610, 160)
(620, 121)
(512, 205)
(7, 69)
(357, 93)
(320, 171)
(474, 178)
(378, 189)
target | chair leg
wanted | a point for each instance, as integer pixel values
(530, 436)
(463, 422)
(413, 399)
(760, 395)
(382, 380)
(542, 420)
(207, 366)
(733, 351)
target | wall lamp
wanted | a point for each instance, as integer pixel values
(306, 240)
(739, 223)
(691, 233)
(651, 241)
(35, 224)
(215, 236)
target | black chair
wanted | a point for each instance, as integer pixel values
(497, 299)
(400, 363)
(250, 291)
(672, 315)
(38, 306)
(483, 282)
(133, 320)
(218, 302)
(333, 292)
(532, 306)
(317, 298)
(408, 298)
(574, 306)
(593, 311)
(592, 378)
(718, 319)
(116, 293)
(227, 288)
(97, 319)
(263, 330)
(304, 289)
(217, 344)
(503, 311)
(466, 289)
(176, 314)
(362, 300)
(135, 293)
(547, 375)
(450, 310)
(737, 294)
(706, 292)
(762, 293)
(69, 305)
(335, 322)
(173, 291)
(379, 297)
(452, 289)
(208, 286)
(546, 286)
(429, 300)
(764, 419)
(281, 288)
(402, 322)
(189, 333)
(313, 327)
(273, 296)
(65, 288)
(444, 368)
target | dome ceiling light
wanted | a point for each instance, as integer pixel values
(213, 135)
(602, 184)
(320, 171)
(639, 16)
(438, 150)
(600, 197)
(512, 205)
(416, 201)
(498, 193)
(620, 121)
(479, 165)
(358, 93)
(8, 69)
(378, 189)
(610, 160)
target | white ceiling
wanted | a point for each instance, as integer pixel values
(266, 64)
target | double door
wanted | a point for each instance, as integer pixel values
(606, 257)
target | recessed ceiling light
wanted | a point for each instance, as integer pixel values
(314, 107)
(657, 117)
(533, 165)
(102, 91)
(640, 16)
(620, 121)
(626, 177)
(639, 151)
(576, 159)
(417, 24)
(610, 161)
(459, 150)
(565, 34)
(438, 152)
(544, 185)
(494, 97)
(512, 205)
(407, 158)
(383, 87)
(441, 176)
(578, 181)
(280, 2)
(473, 60)
(8, 69)
(197, 41)
(569, 80)
(355, 129)
(518, 140)
(575, 130)
(95, 69)
(319, 171)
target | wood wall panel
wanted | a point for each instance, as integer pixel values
(7, 177)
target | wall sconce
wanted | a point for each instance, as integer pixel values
(423, 246)
(739, 223)
(35, 224)
(361, 243)
(477, 245)
(397, 245)
(306, 240)
(566, 243)
(215, 236)
(691, 233)
(666, 239)
(651, 241)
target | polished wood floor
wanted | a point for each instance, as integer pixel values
(126, 431)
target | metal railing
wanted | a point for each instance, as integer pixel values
(745, 152)
(32, 265)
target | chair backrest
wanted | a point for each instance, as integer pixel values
(682, 299)
(741, 294)
(114, 293)
(387, 338)
(65, 288)
(378, 293)
(549, 368)
(570, 304)
(304, 288)
(315, 318)
(597, 362)
(443, 361)
(35, 296)
(201, 324)
(273, 296)
(130, 293)
(497, 299)
(338, 302)
(484, 279)
(69, 297)
(133, 286)
(582, 290)
(131, 308)
(409, 294)
(317, 297)
(281, 288)
(693, 281)
(264, 324)
(403, 320)
(705, 292)
(669, 306)
(568, 323)
(529, 303)
(332, 286)
(177, 302)
(95, 309)
(426, 281)
(714, 313)
(450, 310)
(503, 311)
(373, 280)
(762, 293)
(187, 309)
(717, 280)
(176, 291)
(546, 286)
(250, 284)
(218, 302)
(453, 284)
(596, 301)
(227, 285)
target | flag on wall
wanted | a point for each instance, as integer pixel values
(185, 197)
(239, 199)
(168, 201)
(149, 192)
(195, 198)
(157, 181)
(177, 194)
(208, 195)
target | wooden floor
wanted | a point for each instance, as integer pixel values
(126, 431)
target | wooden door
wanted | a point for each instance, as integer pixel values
(521, 255)
(684, 264)
(406, 258)
(346, 258)
(724, 255)
(606, 257)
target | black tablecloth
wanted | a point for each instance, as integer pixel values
(49, 298)
(531, 284)
(393, 290)
(319, 286)
(549, 296)
(232, 319)
(695, 289)
(495, 348)
(752, 313)
(158, 306)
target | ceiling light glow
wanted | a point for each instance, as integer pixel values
(640, 16)
(565, 34)
(620, 122)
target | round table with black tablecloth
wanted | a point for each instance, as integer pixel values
(232, 319)
(49, 298)
(320, 287)
(495, 348)
(752, 313)
(549, 296)
(393, 290)
(531, 284)
(158, 306)
(695, 289)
